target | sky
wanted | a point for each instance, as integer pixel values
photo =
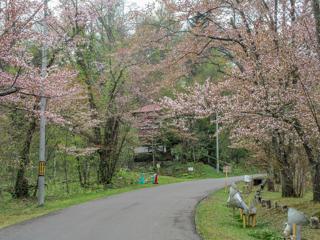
(139, 3)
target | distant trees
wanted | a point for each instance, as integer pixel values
(190, 139)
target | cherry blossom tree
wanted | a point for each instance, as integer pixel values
(273, 82)
(21, 82)
(316, 14)
(104, 56)
(17, 18)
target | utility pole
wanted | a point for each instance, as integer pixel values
(217, 142)
(43, 101)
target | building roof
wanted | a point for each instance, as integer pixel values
(149, 108)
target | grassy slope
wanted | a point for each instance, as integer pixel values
(275, 218)
(14, 211)
(180, 170)
(215, 221)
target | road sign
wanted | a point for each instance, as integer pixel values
(227, 169)
(247, 179)
(190, 169)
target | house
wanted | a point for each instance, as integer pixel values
(148, 120)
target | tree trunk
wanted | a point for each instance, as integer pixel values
(270, 185)
(106, 169)
(270, 180)
(102, 166)
(287, 185)
(65, 168)
(316, 182)
(108, 153)
(107, 166)
(65, 165)
(313, 162)
(21, 189)
(111, 150)
(284, 152)
(110, 174)
(316, 14)
(79, 172)
(86, 172)
(54, 169)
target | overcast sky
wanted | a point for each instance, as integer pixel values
(139, 3)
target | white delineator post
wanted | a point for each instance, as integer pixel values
(43, 100)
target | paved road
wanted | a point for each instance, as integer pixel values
(161, 213)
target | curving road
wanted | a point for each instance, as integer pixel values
(161, 213)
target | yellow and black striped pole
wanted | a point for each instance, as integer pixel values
(42, 168)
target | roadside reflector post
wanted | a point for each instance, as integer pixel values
(296, 232)
(226, 170)
(241, 213)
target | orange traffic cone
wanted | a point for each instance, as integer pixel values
(156, 179)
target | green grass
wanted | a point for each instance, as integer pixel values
(215, 221)
(180, 170)
(15, 211)
(275, 217)
(243, 169)
(201, 170)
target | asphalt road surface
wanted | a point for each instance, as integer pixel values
(161, 213)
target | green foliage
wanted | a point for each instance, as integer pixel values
(198, 143)
(215, 221)
(275, 218)
(180, 170)
(265, 234)
(125, 177)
